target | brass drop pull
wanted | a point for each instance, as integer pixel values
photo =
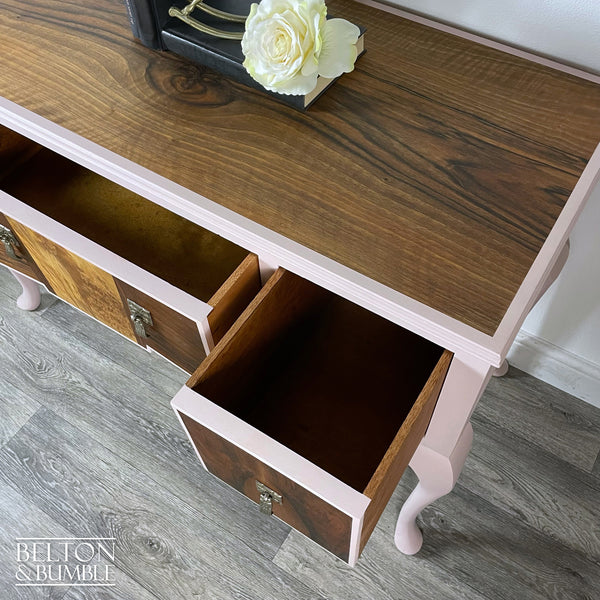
(267, 497)
(140, 317)
(7, 237)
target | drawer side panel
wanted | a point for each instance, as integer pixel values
(394, 463)
(233, 297)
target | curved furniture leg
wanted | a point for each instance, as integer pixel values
(441, 454)
(437, 476)
(30, 297)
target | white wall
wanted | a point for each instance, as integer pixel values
(568, 30)
(560, 340)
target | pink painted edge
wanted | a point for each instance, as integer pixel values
(465, 382)
(534, 281)
(187, 433)
(271, 452)
(105, 259)
(353, 555)
(484, 41)
(205, 336)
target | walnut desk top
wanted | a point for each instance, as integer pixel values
(423, 185)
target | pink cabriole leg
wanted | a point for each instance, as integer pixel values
(440, 457)
(30, 297)
(437, 476)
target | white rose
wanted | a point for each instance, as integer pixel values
(288, 43)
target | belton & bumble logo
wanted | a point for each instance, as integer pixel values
(65, 562)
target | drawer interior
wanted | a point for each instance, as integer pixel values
(14, 150)
(159, 241)
(326, 378)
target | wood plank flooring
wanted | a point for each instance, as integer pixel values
(89, 446)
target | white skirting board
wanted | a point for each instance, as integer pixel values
(556, 366)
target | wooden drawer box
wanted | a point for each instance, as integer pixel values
(98, 246)
(320, 401)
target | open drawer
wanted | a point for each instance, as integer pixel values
(14, 151)
(105, 249)
(312, 407)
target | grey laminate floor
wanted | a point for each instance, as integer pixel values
(89, 447)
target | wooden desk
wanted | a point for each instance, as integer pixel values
(436, 185)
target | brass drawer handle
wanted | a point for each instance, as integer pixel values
(140, 317)
(267, 497)
(7, 237)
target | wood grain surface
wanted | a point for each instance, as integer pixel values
(24, 262)
(300, 508)
(15, 409)
(96, 499)
(571, 514)
(282, 301)
(437, 167)
(233, 297)
(171, 334)
(19, 515)
(571, 429)
(77, 281)
(401, 450)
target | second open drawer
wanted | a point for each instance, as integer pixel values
(313, 407)
(154, 276)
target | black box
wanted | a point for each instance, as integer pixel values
(152, 25)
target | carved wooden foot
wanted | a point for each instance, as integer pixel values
(437, 476)
(30, 297)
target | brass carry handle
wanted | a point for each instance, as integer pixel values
(267, 497)
(184, 14)
(140, 317)
(10, 242)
